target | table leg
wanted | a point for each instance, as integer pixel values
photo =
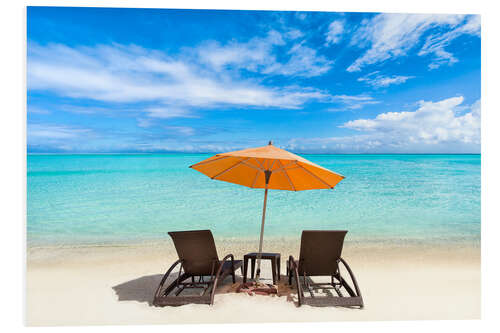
(279, 268)
(253, 267)
(273, 268)
(245, 269)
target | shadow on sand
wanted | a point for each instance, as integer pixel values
(142, 289)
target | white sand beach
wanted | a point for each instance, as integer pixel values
(115, 285)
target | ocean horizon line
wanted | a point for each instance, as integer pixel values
(197, 153)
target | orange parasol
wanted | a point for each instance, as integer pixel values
(267, 167)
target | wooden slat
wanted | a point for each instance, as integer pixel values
(181, 300)
(333, 301)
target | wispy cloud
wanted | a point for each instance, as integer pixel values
(301, 15)
(181, 130)
(435, 44)
(304, 61)
(121, 73)
(259, 55)
(56, 137)
(169, 112)
(354, 102)
(254, 55)
(84, 109)
(393, 35)
(294, 34)
(44, 131)
(37, 110)
(144, 122)
(335, 32)
(377, 80)
(155, 115)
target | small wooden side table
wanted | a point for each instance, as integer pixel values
(275, 264)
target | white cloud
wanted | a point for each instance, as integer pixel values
(132, 74)
(160, 113)
(37, 110)
(304, 61)
(54, 131)
(168, 112)
(253, 55)
(431, 123)
(379, 81)
(335, 32)
(435, 44)
(350, 144)
(353, 102)
(301, 15)
(180, 130)
(144, 122)
(59, 137)
(445, 126)
(84, 109)
(294, 34)
(393, 35)
(258, 55)
(173, 145)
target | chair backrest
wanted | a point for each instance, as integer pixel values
(320, 251)
(197, 250)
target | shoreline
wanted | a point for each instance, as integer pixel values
(472, 241)
(283, 245)
(446, 252)
(374, 251)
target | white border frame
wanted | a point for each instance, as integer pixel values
(13, 157)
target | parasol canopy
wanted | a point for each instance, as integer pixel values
(267, 167)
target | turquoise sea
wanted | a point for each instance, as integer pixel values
(102, 199)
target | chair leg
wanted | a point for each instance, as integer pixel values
(253, 268)
(244, 269)
(273, 269)
(212, 292)
(279, 268)
(300, 294)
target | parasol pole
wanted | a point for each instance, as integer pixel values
(259, 255)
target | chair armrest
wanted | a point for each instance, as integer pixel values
(229, 256)
(351, 274)
(221, 264)
(162, 282)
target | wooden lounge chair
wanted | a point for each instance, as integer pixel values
(198, 261)
(320, 255)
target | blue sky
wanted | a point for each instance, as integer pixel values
(158, 80)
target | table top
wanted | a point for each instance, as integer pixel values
(264, 255)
